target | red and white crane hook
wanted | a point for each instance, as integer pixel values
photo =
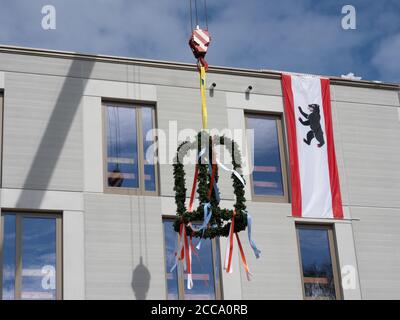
(200, 38)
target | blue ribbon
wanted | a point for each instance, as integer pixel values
(252, 243)
(206, 220)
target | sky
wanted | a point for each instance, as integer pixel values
(303, 36)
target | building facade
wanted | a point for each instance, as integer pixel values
(85, 216)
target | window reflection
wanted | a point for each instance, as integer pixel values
(267, 172)
(29, 257)
(205, 271)
(171, 239)
(130, 153)
(148, 147)
(316, 262)
(9, 240)
(122, 151)
(202, 274)
(38, 258)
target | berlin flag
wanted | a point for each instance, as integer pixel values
(314, 173)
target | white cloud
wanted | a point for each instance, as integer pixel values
(387, 59)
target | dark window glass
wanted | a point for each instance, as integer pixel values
(171, 239)
(148, 146)
(203, 268)
(38, 258)
(122, 147)
(267, 174)
(9, 243)
(316, 262)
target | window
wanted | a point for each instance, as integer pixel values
(30, 264)
(130, 165)
(318, 262)
(206, 269)
(269, 179)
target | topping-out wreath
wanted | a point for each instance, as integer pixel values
(219, 223)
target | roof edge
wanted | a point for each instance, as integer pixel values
(271, 74)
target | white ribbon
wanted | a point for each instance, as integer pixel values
(177, 253)
(237, 174)
(190, 278)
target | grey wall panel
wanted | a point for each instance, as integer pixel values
(124, 247)
(377, 239)
(106, 71)
(339, 135)
(276, 274)
(42, 133)
(41, 65)
(166, 77)
(132, 73)
(225, 82)
(236, 83)
(366, 95)
(370, 141)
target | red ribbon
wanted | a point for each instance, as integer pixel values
(187, 256)
(193, 193)
(192, 247)
(231, 232)
(228, 258)
(243, 256)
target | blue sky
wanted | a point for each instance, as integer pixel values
(299, 36)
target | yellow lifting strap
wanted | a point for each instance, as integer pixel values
(202, 72)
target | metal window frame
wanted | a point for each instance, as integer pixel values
(278, 117)
(333, 255)
(218, 286)
(19, 215)
(137, 105)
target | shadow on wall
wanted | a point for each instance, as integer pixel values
(141, 281)
(56, 132)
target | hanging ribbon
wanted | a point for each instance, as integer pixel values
(179, 252)
(252, 242)
(237, 174)
(229, 248)
(196, 174)
(202, 73)
(188, 260)
(229, 251)
(192, 247)
(206, 221)
(243, 256)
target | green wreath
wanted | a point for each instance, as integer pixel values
(219, 224)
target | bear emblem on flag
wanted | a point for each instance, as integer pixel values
(314, 121)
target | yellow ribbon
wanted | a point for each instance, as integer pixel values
(203, 96)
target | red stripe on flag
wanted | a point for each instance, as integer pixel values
(292, 140)
(333, 170)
